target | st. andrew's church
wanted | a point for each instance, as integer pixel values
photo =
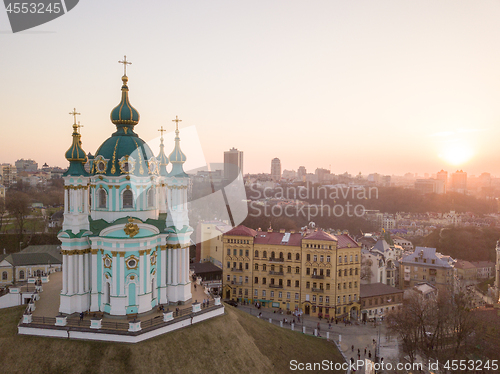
(126, 234)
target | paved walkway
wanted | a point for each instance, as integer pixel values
(48, 305)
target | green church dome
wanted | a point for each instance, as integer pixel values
(124, 152)
(124, 114)
(76, 155)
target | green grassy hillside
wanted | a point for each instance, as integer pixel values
(233, 343)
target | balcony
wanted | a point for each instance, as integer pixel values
(236, 269)
(315, 276)
(237, 283)
(276, 286)
(275, 273)
(274, 259)
(318, 290)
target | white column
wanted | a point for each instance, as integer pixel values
(187, 265)
(122, 273)
(86, 265)
(70, 274)
(163, 267)
(148, 271)
(175, 266)
(80, 274)
(94, 272)
(65, 275)
(111, 197)
(66, 203)
(115, 266)
(169, 266)
(141, 273)
(183, 267)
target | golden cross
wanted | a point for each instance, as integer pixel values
(125, 63)
(79, 126)
(74, 114)
(162, 131)
(176, 120)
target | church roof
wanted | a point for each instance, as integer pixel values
(242, 231)
(124, 152)
(75, 154)
(162, 157)
(177, 157)
(27, 259)
(382, 246)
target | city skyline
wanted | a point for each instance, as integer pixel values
(389, 87)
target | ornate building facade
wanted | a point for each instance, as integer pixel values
(126, 234)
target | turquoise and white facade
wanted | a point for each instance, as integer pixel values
(126, 234)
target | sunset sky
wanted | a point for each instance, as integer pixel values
(358, 86)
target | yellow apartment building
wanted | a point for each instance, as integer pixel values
(316, 273)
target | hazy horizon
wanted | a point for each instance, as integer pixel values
(388, 86)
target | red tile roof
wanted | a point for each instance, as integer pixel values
(345, 241)
(321, 235)
(241, 231)
(276, 238)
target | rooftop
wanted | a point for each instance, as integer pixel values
(377, 289)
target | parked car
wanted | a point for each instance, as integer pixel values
(232, 303)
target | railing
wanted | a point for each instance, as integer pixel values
(275, 273)
(317, 290)
(274, 259)
(237, 283)
(315, 276)
(235, 269)
(276, 285)
(75, 323)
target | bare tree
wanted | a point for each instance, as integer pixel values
(366, 272)
(17, 203)
(2, 212)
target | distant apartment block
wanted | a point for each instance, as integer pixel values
(8, 175)
(459, 181)
(233, 164)
(26, 165)
(301, 173)
(276, 169)
(426, 186)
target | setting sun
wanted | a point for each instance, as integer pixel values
(457, 153)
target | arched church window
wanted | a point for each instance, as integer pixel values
(151, 197)
(103, 196)
(4, 275)
(21, 274)
(128, 199)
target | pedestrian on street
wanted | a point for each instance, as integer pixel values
(365, 351)
(369, 354)
(352, 348)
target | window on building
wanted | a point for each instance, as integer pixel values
(355, 284)
(338, 300)
(256, 280)
(272, 294)
(308, 271)
(356, 258)
(297, 270)
(151, 197)
(297, 257)
(345, 258)
(128, 199)
(228, 278)
(246, 253)
(256, 266)
(264, 254)
(350, 258)
(281, 255)
(289, 269)
(288, 283)
(343, 299)
(102, 198)
(228, 264)
(340, 273)
(345, 272)
(229, 252)
(314, 298)
(350, 284)
(296, 283)
(21, 274)
(315, 258)
(321, 272)
(288, 295)
(246, 291)
(308, 257)
(241, 252)
(356, 271)
(350, 271)
(327, 272)
(256, 293)
(338, 286)
(340, 259)
(327, 258)
(264, 267)
(321, 258)
(246, 279)
(308, 285)
(256, 255)
(263, 280)
(263, 294)
(345, 285)
(289, 256)
(272, 255)
(328, 286)
(235, 252)
(296, 296)
(246, 266)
